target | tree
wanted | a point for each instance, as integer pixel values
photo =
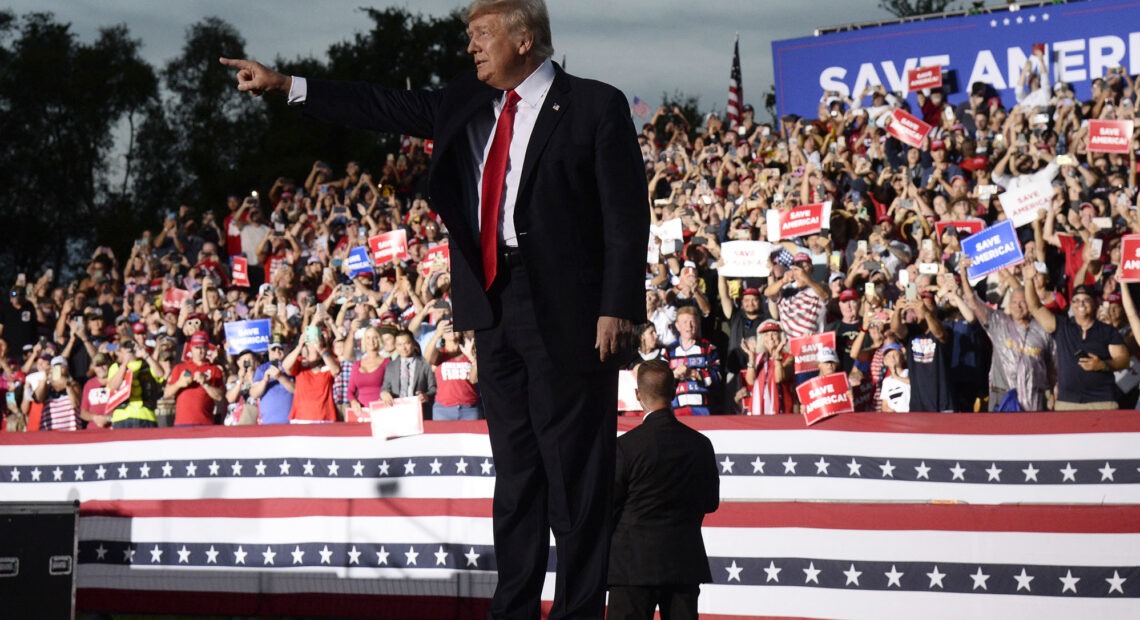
(915, 8)
(201, 142)
(400, 50)
(60, 102)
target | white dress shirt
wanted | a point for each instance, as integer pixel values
(532, 94)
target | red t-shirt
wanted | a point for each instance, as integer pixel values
(233, 236)
(313, 394)
(1074, 250)
(94, 400)
(193, 405)
(451, 385)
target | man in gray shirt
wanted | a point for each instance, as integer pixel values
(1023, 350)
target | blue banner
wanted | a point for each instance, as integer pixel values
(248, 336)
(992, 249)
(1082, 40)
(358, 262)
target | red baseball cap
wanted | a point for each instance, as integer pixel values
(848, 294)
(199, 339)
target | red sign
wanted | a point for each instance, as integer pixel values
(172, 298)
(1129, 259)
(805, 348)
(924, 77)
(120, 396)
(798, 221)
(908, 129)
(240, 271)
(1110, 136)
(429, 147)
(436, 259)
(965, 228)
(389, 246)
(823, 397)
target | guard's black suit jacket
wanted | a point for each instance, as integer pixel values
(666, 481)
(581, 213)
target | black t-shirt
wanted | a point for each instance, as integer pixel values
(19, 324)
(739, 328)
(1075, 384)
(845, 335)
(926, 363)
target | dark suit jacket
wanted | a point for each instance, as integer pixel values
(581, 214)
(423, 379)
(666, 481)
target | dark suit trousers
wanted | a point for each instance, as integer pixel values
(639, 602)
(553, 440)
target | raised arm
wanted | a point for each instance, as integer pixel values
(1039, 312)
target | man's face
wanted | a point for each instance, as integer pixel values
(405, 347)
(497, 54)
(1083, 307)
(276, 353)
(687, 326)
(1018, 309)
(198, 354)
(849, 309)
(750, 304)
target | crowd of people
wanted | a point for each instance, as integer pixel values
(911, 332)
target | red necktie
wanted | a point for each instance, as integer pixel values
(494, 175)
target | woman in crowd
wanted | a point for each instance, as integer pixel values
(367, 374)
(452, 357)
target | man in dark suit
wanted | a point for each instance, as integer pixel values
(539, 178)
(409, 375)
(667, 480)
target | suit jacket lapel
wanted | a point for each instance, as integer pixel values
(557, 102)
(458, 178)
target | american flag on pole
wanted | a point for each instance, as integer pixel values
(862, 515)
(735, 87)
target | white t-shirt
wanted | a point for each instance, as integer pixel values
(896, 393)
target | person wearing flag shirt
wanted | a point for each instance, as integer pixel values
(801, 301)
(916, 324)
(696, 366)
(769, 373)
(59, 394)
(196, 385)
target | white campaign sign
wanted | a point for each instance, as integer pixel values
(1021, 205)
(745, 259)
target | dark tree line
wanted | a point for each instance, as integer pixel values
(96, 144)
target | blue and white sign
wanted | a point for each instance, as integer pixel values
(1082, 40)
(358, 262)
(992, 249)
(248, 336)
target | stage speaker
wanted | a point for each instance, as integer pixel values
(38, 543)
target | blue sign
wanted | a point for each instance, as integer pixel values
(248, 336)
(1082, 40)
(358, 262)
(992, 249)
